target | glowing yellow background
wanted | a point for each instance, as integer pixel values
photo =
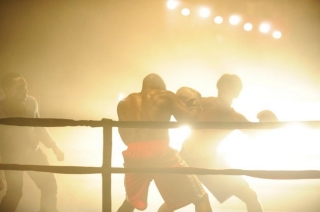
(79, 56)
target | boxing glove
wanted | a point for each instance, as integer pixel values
(190, 97)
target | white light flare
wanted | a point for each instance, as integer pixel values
(276, 34)
(247, 27)
(204, 12)
(120, 97)
(177, 136)
(234, 19)
(264, 27)
(172, 4)
(218, 20)
(185, 12)
(293, 147)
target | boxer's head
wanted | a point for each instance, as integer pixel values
(229, 87)
(153, 81)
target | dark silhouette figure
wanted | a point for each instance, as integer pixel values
(201, 148)
(20, 145)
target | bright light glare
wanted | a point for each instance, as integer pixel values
(177, 136)
(204, 12)
(232, 143)
(248, 27)
(82, 141)
(172, 4)
(185, 11)
(264, 28)
(289, 148)
(120, 97)
(276, 34)
(218, 20)
(234, 19)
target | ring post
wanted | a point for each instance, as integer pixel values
(106, 165)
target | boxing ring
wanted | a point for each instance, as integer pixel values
(106, 170)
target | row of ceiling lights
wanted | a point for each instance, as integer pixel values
(233, 19)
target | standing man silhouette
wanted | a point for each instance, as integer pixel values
(201, 148)
(20, 145)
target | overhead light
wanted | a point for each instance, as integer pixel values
(204, 12)
(185, 11)
(264, 27)
(247, 27)
(234, 19)
(277, 34)
(172, 4)
(218, 20)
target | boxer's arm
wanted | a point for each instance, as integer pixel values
(124, 114)
(263, 116)
(241, 118)
(45, 137)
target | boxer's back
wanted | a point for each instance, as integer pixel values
(150, 105)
